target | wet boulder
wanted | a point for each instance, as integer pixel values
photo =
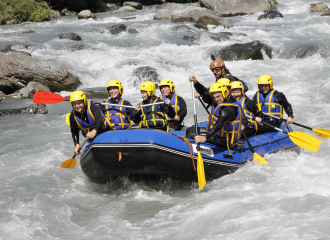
(270, 15)
(252, 50)
(201, 26)
(118, 28)
(318, 7)
(32, 88)
(85, 14)
(326, 13)
(229, 8)
(70, 36)
(126, 9)
(135, 5)
(307, 51)
(17, 69)
(98, 92)
(34, 108)
(163, 14)
(29, 31)
(145, 73)
(202, 15)
(182, 28)
(219, 36)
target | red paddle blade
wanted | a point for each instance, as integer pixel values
(47, 98)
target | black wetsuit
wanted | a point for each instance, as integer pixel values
(182, 113)
(281, 99)
(98, 122)
(226, 114)
(164, 108)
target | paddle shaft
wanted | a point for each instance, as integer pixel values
(127, 106)
(267, 124)
(248, 142)
(204, 106)
(309, 128)
(195, 114)
(80, 146)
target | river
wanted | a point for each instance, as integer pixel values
(287, 199)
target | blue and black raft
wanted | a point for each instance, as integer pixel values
(149, 154)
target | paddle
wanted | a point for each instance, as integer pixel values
(200, 164)
(71, 162)
(204, 106)
(322, 132)
(257, 157)
(48, 98)
(299, 138)
(126, 106)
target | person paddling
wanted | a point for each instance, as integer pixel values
(225, 120)
(270, 101)
(85, 117)
(219, 69)
(152, 116)
(249, 108)
(167, 89)
(117, 118)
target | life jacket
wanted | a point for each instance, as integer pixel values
(86, 127)
(269, 105)
(116, 117)
(153, 117)
(251, 123)
(174, 103)
(232, 130)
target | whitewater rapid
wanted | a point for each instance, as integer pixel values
(288, 199)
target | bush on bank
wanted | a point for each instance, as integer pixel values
(24, 10)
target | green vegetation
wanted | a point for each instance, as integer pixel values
(24, 10)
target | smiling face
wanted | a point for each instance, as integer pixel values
(144, 95)
(113, 92)
(79, 106)
(264, 88)
(236, 93)
(165, 90)
(217, 97)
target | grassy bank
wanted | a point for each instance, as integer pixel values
(24, 10)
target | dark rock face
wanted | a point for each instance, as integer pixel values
(307, 51)
(17, 69)
(34, 108)
(190, 37)
(145, 74)
(116, 29)
(71, 36)
(98, 92)
(244, 51)
(270, 15)
(201, 26)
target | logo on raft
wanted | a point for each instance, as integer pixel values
(204, 150)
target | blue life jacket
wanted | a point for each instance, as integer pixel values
(251, 123)
(116, 117)
(84, 127)
(269, 105)
(152, 117)
(174, 103)
(232, 130)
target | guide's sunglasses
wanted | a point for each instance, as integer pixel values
(216, 69)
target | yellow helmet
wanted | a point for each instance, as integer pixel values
(167, 82)
(149, 87)
(115, 83)
(237, 84)
(219, 87)
(78, 95)
(266, 79)
(226, 81)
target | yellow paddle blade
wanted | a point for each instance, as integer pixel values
(69, 163)
(67, 118)
(322, 132)
(200, 171)
(259, 159)
(305, 141)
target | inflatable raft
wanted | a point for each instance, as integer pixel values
(146, 153)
